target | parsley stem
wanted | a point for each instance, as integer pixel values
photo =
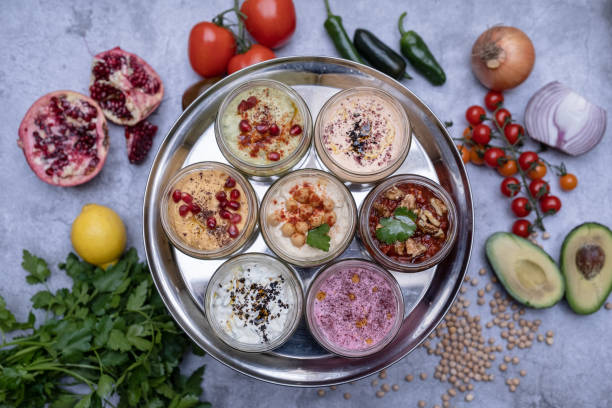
(62, 370)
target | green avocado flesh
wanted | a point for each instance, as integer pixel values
(586, 263)
(528, 273)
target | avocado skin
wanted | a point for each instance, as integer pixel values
(527, 246)
(566, 269)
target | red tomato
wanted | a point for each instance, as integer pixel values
(257, 53)
(481, 134)
(492, 156)
(501, 116)
(526, 158)
(550, 204)
(522, 228)
(539, 188)
(510, 186)
(520, 207)
(493, 99)
(475, 114)
(210, 48)
(513, 132)
(270, 22)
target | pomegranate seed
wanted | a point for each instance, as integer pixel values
(236, 218)
(251, 101)
(220, 196)
(223, 203)
(243, 106)
(274, 130)
(176, 196)
(186, 198)
(234, 205)
(295, 130)
(230, 182)
(233, 231)
(183, 210)
(211, 222)
(225, 214)
(234, 194)
(244, 125)
(274, 156)
(194, 208)
(262, 128)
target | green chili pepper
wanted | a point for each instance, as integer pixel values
(335, 29)
(380, 55)
(415, 50)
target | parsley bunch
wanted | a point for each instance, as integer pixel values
(110, 333)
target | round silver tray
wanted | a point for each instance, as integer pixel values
(181, 280)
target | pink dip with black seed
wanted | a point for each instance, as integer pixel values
(355, 308)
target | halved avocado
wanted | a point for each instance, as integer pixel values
(586, 263)
(528, 273)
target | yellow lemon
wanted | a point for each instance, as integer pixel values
(98, 235)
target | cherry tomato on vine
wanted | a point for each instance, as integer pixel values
(481, 134)
(477, 155)
(475, 114)
(492, 156)
(210, 48)
(538, 171)
(550, 204)
(257, 53)
(465, 153)
(493, 99)
(513, 132)
(539, 188)
(568, 182)
(270, 22)
(509, 168)
(522, 228)
(521, 207)
(510, 187)
(467, 133)
(526, 158)
(501, 116)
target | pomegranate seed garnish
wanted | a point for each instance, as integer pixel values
(243, 106)
(236, 218)
(225, 214)
(244, 125)
(234, 205)
(262, 128)
(223, 203)
(251, 101)
(274, 130)
(176, 196)
(186, 198)
(230, 182)
(211, 222)
(220, 196)
(233, 231)
(295, 130)
(194, 208)
(274, 156)
(234, 194)
(183, 210)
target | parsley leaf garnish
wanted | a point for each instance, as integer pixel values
(319, 238)
(399, 227)
(39, 271)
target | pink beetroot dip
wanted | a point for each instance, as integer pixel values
(355, 308)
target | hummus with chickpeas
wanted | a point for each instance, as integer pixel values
(300, 206)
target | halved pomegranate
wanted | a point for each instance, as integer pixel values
(139, 140)
(64, 137)
(125, 86)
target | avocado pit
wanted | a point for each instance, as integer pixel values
(590, 258)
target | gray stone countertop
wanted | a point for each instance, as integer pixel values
(49, 46)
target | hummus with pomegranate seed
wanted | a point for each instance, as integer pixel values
(362, 133)
(302, 205)
(262, 125)
(199, 218)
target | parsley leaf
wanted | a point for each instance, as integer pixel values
(39, 271)
(319, 237)
(398, 227)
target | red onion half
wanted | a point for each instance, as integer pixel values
(560, 118)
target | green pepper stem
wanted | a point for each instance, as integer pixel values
(329, 13)
(400, 23)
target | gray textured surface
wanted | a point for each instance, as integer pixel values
(49, 45)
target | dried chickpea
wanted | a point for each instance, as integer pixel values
(287, 229)
(291, 205)
(298, 239)
(301, 227)
(302, 195)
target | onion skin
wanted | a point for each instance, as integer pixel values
(560, 118)
(502, 57)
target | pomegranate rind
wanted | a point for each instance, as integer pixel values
(139, 103)
(78, 171)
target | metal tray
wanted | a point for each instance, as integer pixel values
(181, 280)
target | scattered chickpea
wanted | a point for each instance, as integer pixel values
(423, 376)
(482, 271)
(298, 239)
(503, 367)
(469, 397)
(463, 289)
(545, 235)
(380, 394)
(512, 388)
(515, 360)
(422, 404)
(383, 374)
(549, 333)
(321, 393)
(608, 306)
(374, 383)
(549, 341)
(395, 387)
(347, 396)
(385, 387)
(474, 281)
(523, 373)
